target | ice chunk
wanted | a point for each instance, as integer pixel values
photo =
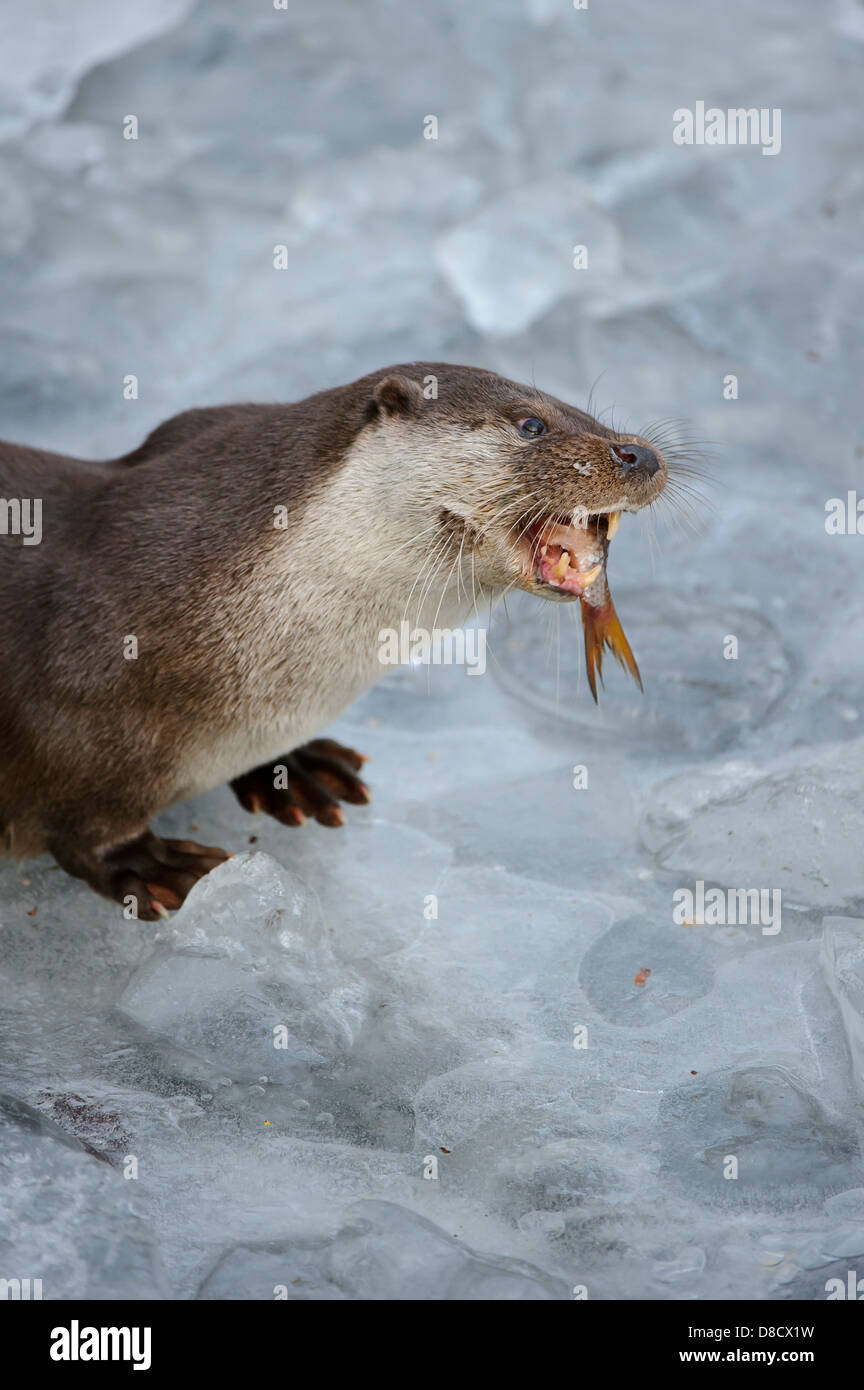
(253, 911)
(244, 980)
(216, 1011)
(640, 972)
(289, 1271)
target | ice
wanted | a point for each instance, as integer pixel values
(247, 988)
(778, 1134)
(382, 1252)
(794, 823)
(483, 968)
(67, 1219)
(843, 959)
(507, 276)
(44, 58)
(695, 698)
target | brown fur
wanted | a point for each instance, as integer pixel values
(175, 543)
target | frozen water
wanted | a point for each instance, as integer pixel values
(507, 275)
(44, 57)
(245, 986)
(795, 823)
(694, 698)
(843, 957)
(778, 1135)
(463, 1048)
(381, 1251)
(67, 1219)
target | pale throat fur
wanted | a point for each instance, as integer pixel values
(366, 553)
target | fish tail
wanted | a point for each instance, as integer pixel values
(603, 629)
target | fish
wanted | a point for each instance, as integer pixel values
(570, 558)
(603, 630)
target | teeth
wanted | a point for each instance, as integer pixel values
(562, 566)
(590, 575)
(613, 521)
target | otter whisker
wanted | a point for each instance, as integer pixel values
(432, 571)
(441, 560)
(475, 582)
(460, 577)
(533, 520)
(435, 552)
(430, 557)
(671, 507)
(685, 482)
(519, 501)
(444, 588)
(678, 487)
(476, 495)
(589, 408)
(508, 507)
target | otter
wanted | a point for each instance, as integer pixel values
(198, 610)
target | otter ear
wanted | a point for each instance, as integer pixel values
(396, 395)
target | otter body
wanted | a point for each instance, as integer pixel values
(196, 611)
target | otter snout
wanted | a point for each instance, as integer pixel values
(635, 460)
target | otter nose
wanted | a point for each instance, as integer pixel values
(636, 458)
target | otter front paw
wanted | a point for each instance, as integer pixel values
(147, 874)
(311, 781)
(157, 873)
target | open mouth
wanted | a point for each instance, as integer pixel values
(571, 557)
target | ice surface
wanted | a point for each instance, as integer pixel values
(380, 1252)
(843, 957)
(66, 1218)
(245, 986)
(44, 57)
(507, 275)
(462, 1048)
(694, 698)
(795, 823)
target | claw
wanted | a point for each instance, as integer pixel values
(163, 897)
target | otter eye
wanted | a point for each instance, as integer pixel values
(531, 427)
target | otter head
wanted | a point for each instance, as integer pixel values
(526, 489)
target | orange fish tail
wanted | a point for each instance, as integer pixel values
(603, 629)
